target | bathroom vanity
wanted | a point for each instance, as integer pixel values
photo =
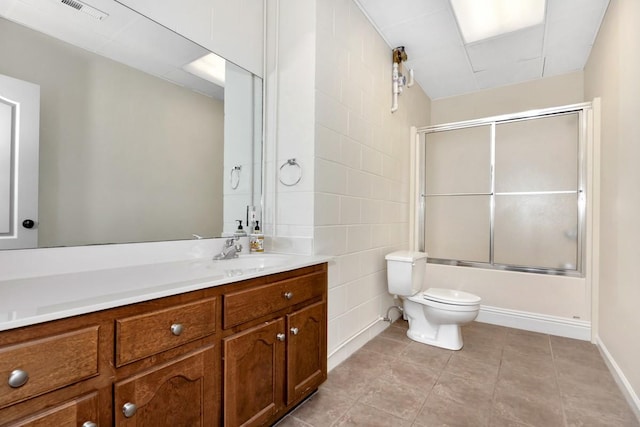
(238, 345)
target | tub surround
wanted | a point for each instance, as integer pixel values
(31, 300)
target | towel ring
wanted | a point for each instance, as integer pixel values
(294, 180)
(234, 177)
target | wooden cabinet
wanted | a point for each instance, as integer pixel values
(167, 362)
(306, 351)
(253, 373)
(178, 393)
(272, 366)
(79, 412)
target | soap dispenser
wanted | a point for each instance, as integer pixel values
(256, 239)
(239, 231)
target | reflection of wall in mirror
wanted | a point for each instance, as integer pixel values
(240, 96)
(124, 156)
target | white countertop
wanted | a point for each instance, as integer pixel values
(28, 301)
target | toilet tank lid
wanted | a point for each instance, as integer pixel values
(406, 256)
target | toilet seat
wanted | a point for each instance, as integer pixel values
(450, 296)
(443, 305)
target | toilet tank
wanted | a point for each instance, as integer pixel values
(405, 272)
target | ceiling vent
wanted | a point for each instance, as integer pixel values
(85, 8)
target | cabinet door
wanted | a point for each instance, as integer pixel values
(306, 350)
(179, 393)
(75, 413)
(254, 374)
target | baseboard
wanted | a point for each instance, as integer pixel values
(625, 386)
(552, 325)
(354, 343)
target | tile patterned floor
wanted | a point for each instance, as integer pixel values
(502, 377)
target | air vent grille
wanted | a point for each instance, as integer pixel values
(85, 8)
(73, 4)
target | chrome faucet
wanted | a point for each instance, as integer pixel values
(230, 250)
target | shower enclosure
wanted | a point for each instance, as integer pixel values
(506, 192)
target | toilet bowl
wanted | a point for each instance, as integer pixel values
(435, 315)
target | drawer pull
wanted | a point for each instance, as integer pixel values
(294, 331)
(281, 337)
(89, 424)
(129, 409)
(18, 378)
(288, 295)
(176, 329)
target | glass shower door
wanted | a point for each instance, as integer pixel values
(457, 194)
(506, 192)
(536, 185)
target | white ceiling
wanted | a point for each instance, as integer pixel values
(444, 66)
(124, 36)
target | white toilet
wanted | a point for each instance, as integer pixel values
(435, 315)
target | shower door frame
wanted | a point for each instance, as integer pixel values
(583, 110)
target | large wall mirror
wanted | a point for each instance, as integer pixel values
(136, 140)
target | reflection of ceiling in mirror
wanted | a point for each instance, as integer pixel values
(124, 36)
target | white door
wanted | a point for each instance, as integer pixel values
(19, 141)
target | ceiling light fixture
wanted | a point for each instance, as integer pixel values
(481, 19)
(210, 67)
(399, 81)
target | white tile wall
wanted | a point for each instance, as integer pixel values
(362, 167)
(356, 202)
(327, 144)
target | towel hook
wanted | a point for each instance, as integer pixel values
(294, 180)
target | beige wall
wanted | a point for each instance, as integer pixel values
(548, 92)
(502, 289)
(612, 74)
(118, 163)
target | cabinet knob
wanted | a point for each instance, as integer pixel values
(89, 424)
(281, 337)
(288, 295)
(294, 331)
(129, 409)
(176, 329)
(18, 378)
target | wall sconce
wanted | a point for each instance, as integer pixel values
(399, 80)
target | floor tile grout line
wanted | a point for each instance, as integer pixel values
(492, 412)
(299, 420)
(556, 377)
(424, 402)
(430, 391)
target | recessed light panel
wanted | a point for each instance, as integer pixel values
(210, 67)
(482, 19)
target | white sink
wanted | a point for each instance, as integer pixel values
(254, 261)
(244, 264)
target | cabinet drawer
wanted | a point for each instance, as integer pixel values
(77, 412)
(48, 363)
(146, 334)
(249, 304)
